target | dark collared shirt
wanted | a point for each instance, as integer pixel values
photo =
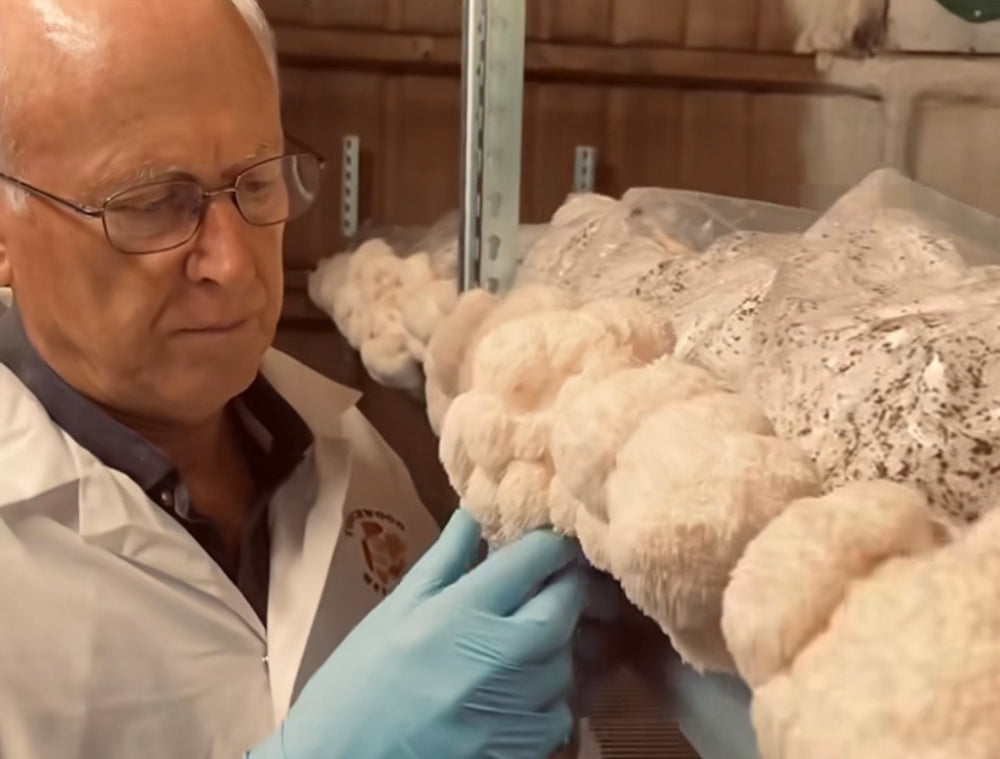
(276, 440)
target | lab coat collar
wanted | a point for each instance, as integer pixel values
(321, 402)
(111, 442)
(274, 424)
(115, 515)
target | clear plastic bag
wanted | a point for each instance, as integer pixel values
(713, 299)
(600, 247)
(974, 233)
(870, 334)
(877, 347)
(698, 220)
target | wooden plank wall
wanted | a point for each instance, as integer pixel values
(716, 24)
(722, 141)
(697, 94)
(727, 138)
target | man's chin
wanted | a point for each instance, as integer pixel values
(203, 392)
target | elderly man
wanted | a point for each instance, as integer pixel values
(186, 516)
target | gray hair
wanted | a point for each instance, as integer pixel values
(257, 21)
(252, 14)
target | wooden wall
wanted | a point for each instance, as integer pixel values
(672, 93)
(717, 140)
(697, 94)
(716, 24)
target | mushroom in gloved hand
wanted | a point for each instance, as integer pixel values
(447, 360)
(579, 418)
(495, 437)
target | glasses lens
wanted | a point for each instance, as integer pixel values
(279, 190)
(153, 217)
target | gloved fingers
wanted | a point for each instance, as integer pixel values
(558, 728)
(450, 557)
(526, 733)
(552, 681)
(549, 619)
(535, 686)
(513, 573)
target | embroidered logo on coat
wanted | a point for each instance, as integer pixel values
(382, 545)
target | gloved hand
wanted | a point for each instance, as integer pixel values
(453, 663)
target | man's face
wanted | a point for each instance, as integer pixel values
(149, 336)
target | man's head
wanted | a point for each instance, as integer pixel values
(97, 96)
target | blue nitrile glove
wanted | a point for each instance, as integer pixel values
(453, 664)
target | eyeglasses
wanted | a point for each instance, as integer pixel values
(161, 216)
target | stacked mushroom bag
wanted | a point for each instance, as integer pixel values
(865, 631)
(680, 250)
(878, 351)
(577, 416)
(714, 298)
(597, 246)
(866, 337)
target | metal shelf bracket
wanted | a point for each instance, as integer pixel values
(350, 184)
(585, 169)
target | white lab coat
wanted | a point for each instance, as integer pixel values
(121, 639)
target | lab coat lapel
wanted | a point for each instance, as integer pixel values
(305, 530)
(112, 512)
(118, 517)
(306, 520)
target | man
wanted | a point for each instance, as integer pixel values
(185, 515)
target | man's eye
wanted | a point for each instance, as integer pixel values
(150, 204)
(258, 186)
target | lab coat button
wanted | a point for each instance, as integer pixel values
(167, 499)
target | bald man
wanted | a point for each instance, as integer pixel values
(191, 522)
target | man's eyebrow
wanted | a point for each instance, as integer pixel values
(265, 150)
(117, 181)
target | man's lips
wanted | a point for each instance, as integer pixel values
(217, 328)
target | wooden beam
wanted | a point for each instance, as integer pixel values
(359, 49)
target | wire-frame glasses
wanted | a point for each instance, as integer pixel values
(164, 215)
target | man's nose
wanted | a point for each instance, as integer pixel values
(222, 254)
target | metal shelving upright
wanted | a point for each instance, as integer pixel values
(493, 38)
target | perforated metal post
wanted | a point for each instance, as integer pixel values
(585, 169)
(350, 185)
(492, 116)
